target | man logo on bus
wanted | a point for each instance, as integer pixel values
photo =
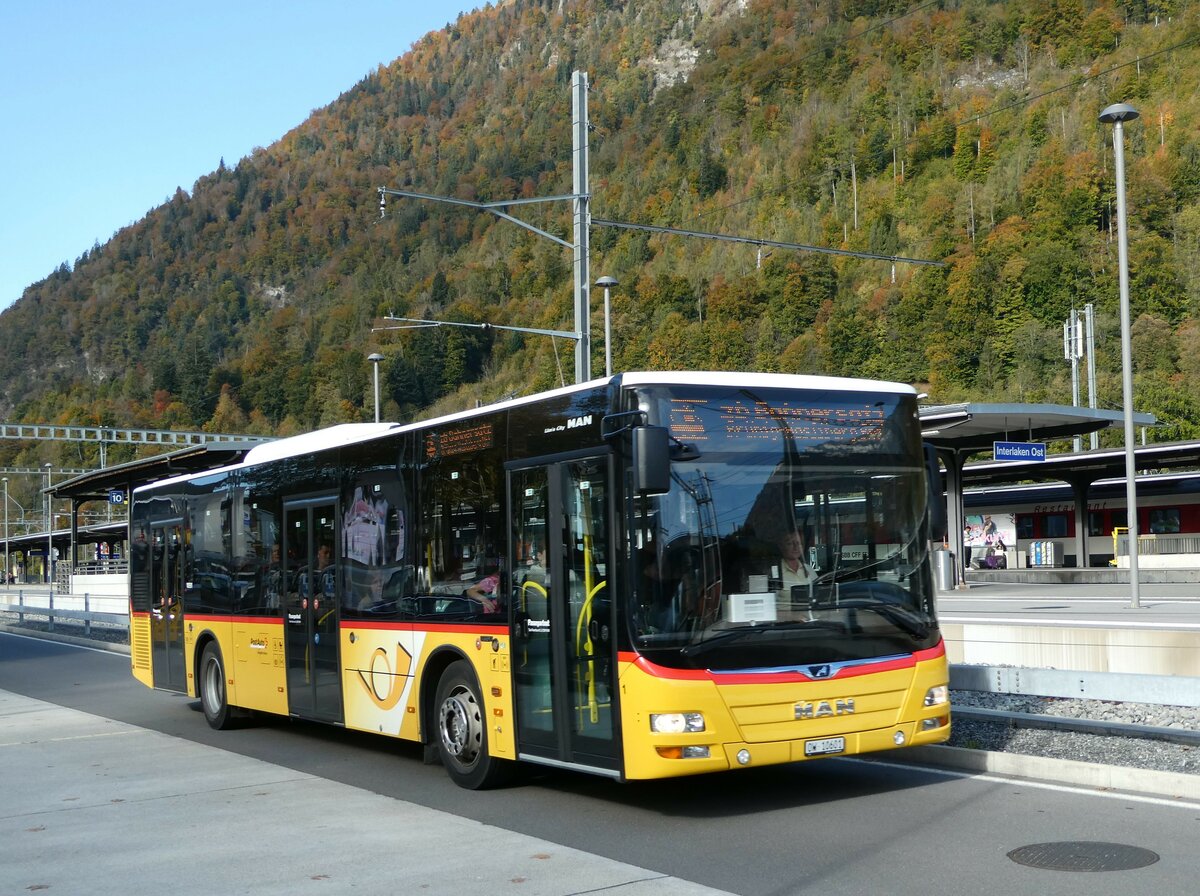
(824, 709)
(823, 671)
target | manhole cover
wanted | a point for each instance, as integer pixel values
(1083, 856)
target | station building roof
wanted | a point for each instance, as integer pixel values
(961, 430)
(96, 485)
(973, 426)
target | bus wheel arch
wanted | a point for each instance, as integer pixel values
(460, 733)
(212, 686)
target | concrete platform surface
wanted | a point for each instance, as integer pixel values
(101, 807)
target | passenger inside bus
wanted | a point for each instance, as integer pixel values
(318, 585)
(486, 591)
(536, 570)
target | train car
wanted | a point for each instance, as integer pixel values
(1168, 505)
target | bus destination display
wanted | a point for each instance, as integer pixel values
(743, 419)
(462, 440)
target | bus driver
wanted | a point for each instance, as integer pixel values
(792, 568)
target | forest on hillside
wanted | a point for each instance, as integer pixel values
(964, 133)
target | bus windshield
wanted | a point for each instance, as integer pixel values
(793, 533)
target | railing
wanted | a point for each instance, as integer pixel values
(78, 607)
(101, 567)
(1175, 543)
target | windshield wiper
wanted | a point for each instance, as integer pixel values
(902, 617)
(736, 634)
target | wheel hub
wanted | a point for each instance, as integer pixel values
(461, 731)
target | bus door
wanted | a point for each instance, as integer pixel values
(311, 610)
(563, 662)
(166, 607)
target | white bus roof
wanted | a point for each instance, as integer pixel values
(317, 440)
(762, 381)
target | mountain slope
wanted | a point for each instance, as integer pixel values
(964, 133)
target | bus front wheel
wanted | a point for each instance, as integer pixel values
(213, 696)
(462, 737)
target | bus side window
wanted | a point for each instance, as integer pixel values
(464, 535)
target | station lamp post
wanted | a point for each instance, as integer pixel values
(7, 567)
(1116, 115)
(375, 358)
(49, 532)
(607, 283)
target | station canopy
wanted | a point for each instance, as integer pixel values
(959, 431)
(97, 485)
(972, 427)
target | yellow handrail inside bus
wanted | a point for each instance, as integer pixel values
(527, 585)
(581, 632)
(585, 618)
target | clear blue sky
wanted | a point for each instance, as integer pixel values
(107, 107)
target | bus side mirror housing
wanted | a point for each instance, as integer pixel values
(937, 502)
(651, 460)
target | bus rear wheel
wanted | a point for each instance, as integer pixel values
(461, 731)
(213, 696)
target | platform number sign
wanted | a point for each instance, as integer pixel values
(116, 497)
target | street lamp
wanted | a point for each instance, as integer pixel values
(49, 532)
(375, 358)
(607, 283)
(7, 567)
(1116, 115)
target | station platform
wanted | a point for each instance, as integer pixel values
(1088, 575)
(1074, 625)
(88, 801)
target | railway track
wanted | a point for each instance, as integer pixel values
(1097, 727)
(1131, 734)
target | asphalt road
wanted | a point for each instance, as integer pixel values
(829, 827)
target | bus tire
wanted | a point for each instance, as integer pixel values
(213, 694)
(460, 730)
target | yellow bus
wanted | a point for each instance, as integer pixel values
(645, 576)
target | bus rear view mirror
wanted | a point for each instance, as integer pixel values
(651, 460)
(938, 525)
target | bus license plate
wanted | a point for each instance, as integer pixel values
(824, 746)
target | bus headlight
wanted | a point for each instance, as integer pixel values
(937, 696)
(676, 722)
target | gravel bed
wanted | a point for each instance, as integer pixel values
(969, 733)
(1123, 751)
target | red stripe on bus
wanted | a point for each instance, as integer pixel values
(902, 662)
(448, 627)
(476, 628)
(227, 617)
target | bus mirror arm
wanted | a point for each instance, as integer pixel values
(651, 460)
(937, 503)
(614, 425)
